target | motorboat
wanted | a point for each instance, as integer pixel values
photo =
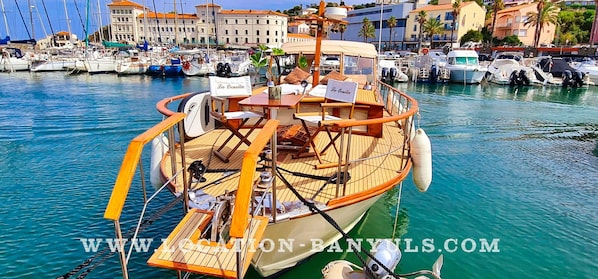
(265, 205)
(390, 72)
(465, 67)
(13, 60)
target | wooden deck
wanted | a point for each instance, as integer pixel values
(184, 250)
(375, 161)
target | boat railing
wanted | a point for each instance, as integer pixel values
(401, 109)
(128, 170)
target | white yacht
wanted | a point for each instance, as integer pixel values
(465, 66)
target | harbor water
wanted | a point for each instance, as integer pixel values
(514, 191)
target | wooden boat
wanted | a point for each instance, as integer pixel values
(267, 207)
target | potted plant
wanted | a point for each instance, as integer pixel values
(259, 61)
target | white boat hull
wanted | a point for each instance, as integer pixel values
(468, 75)
(49, 66)
(312, 234)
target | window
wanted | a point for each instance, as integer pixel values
(226, 32)
(226, 21)
(257, 21)
(267, 40)
(246, 32)
(448, 16)
(236, 22)
(267, 21)
(258, 32)
(267, 32)
(236, 32)
(246, 22)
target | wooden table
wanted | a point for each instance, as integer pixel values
(262, 100)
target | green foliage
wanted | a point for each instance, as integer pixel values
(367, 30)
(472, 35)
(512, 40)
(302, 63)
(576, 23)
(432, 27)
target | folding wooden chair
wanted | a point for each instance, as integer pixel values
(221, 89)
(339, 94)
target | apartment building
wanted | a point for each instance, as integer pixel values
(511, 21)
(210, 24)
(389, 38)
(471, 17)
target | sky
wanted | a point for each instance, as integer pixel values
(76, 13)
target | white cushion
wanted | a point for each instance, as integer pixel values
(241, 114)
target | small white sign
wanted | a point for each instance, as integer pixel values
(226, 87)
(342, 91)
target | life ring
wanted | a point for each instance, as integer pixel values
(186, 65)
(425, 51)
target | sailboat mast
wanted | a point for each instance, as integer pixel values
(176, 25)
(5, 21)
(31, 18)
(87, 25)
(100, 20)
(68, 22)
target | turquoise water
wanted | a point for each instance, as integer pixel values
(517, 167)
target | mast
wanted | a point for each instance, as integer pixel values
(31, 18)
(176, 25)
(5, 21)
(87, 26)
(68, 22)
(101, 25)
(380, 36)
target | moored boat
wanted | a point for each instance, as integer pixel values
(465, 66)
(269, 204)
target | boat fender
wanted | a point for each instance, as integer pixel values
(159, 148)
(421, 156)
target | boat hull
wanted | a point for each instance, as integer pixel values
(311, 234)
(467, 75)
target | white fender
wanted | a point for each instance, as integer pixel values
(159, 148)
(421, 156)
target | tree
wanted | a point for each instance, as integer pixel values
(547, 14)
(392, 23)
(497, 6)
(432, 27)
(342, 28)
(512, 40)
(592, 39)
(471, 36)
(455, 13)
(421, 19)
(367, 29)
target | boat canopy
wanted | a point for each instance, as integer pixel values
(332, 47)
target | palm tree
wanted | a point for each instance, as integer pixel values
(367, 30)
(547, 14)
(421, 19)
(497, 6)
(455, 12)
(343, 27)
(432, 27)
(392, 23)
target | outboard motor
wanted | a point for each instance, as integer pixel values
(384, 74)
(227, 70)
(220, 70)
(514, 78)
(434, 74)
(392, 74)
(578, 78)
(388, 254)
(567, 79)
(523, 79)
